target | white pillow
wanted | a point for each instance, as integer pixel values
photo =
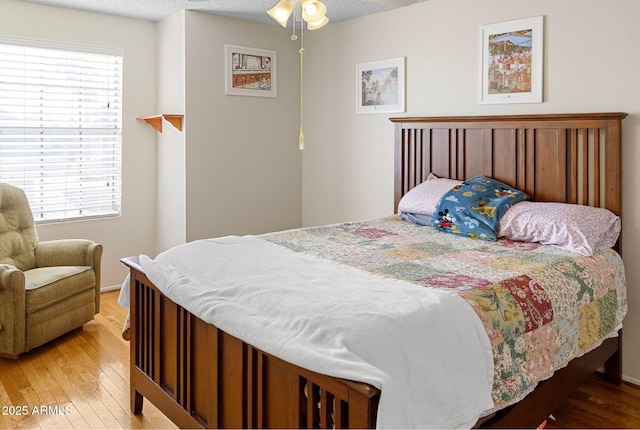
(422, 199)
(582, 229)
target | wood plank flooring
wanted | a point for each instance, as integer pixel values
(81, 380)
(600, 404)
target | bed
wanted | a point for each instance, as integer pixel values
(201, 376)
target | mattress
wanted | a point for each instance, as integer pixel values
(449, 327)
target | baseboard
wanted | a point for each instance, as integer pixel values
(625, 378)
(110, 288)
(630, 380)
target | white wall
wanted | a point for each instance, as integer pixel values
(591, 64)
(243, 165)
(133, 232)
(235, 168)
(171, 215)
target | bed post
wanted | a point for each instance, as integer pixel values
(613, 365)
(398, 191)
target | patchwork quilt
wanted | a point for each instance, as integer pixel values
(541, 306)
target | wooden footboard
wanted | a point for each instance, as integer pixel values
(201, 377)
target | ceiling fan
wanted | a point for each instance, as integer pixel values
(313, 12)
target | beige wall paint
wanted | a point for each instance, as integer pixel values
(171, 225)
(243, 165)
(591, 65)
(235, 168)
(133, 232)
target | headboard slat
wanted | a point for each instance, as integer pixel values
(572, 138)
(586, 173)
(596, 167)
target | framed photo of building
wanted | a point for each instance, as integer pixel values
(511, 55)
(250, 71)
(380, 86)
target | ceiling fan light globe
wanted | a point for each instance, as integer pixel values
(313, 11)
(317, 24)
(281, 12)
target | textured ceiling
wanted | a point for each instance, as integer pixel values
(251, 10)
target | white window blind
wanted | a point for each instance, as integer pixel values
(61, 127)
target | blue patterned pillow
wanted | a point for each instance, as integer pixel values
(475, 207)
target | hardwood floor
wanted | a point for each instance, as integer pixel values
(81, 380)
(600, 404)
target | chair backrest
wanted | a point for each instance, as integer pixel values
(18, 236)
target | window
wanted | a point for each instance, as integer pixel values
(61, 127)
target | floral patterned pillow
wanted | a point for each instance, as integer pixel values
(474, 208)
(577, 228)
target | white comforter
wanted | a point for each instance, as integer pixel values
(424, 348)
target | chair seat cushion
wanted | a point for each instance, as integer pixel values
(46, 286)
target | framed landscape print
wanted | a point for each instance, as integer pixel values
(511, 61)
(380, 86)
(250, 71)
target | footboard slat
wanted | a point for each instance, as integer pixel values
(313, 405)
(326, 410)
(251, 393)
(201, 377)
(184, 360)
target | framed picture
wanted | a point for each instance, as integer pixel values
(250, 71)
(380, 86)
(511, 61)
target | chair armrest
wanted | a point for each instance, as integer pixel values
(11, 279)
(72, 252)
(68, 252)
(12, 311)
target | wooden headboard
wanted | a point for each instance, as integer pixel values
(569, 158)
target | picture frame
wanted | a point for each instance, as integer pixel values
(511, 61)
(380, 86)
(250, 71)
